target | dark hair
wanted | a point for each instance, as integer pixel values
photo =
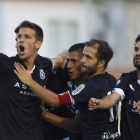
(35, 27)
(16, 30)
(104, 51)
(137, 39)
(77, 47)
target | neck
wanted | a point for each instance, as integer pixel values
(30, 62)
(96, 73)
(80, 80)
(138, 73)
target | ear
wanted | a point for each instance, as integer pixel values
(38, 44)
(101, 64)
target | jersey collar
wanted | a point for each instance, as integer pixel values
(134, 75)
(38, 62)
(100, 75)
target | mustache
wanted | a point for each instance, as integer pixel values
(138, 55)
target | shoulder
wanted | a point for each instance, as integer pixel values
(13, 58)
(44, 60)
(4, 58)
(130, 75)
(111, 77)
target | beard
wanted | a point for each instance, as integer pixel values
(135, 64)
(90, 70)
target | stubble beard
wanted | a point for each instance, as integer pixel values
(90, 70)
(135, 64)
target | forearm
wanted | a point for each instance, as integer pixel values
(46, 95)
(64, 123)
(109, 101)
(57, 62)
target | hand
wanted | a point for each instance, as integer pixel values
(93, 103)
(137, 105)
(24, 75)
(64, 54)
(44, 112)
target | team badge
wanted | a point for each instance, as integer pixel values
(78, 89)
(131, 87)
(42, 74)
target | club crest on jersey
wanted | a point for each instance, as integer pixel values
(42, 74)
(78, 89)
(131, 87)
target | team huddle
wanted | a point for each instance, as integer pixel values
(41, 100)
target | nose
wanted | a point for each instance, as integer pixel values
(21, 39)
(69, 65)
(83, 60)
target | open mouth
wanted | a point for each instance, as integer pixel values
(70, 73)
(21, 48)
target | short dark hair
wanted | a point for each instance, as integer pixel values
(16, 30)
(35, 27)
(77, 47)
(104, 51)
(137, 39)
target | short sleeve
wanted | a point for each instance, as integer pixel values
(84, 92)
(121, 87)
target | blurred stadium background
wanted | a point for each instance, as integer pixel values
(66, 22)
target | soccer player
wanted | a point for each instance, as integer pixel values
(20, 116)
(54, 84)
(96, 124)
(73, 77)
(127, 90)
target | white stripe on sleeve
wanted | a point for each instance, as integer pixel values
(120, 91)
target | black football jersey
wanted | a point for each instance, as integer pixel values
(68, 85)
(50, 131)
(97, 124)
(20, 113)
(130, 119)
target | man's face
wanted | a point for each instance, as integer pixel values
(136, 57)
(74, 65)
(89, 61)
(26, 44)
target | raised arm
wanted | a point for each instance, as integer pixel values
(60, 60)
(106, 102)
(69, 124)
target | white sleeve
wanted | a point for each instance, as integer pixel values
(120, 91)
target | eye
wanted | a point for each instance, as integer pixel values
(27, 36)
(19, 36)
(73, 60)
(88, 56)
(136, 49)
